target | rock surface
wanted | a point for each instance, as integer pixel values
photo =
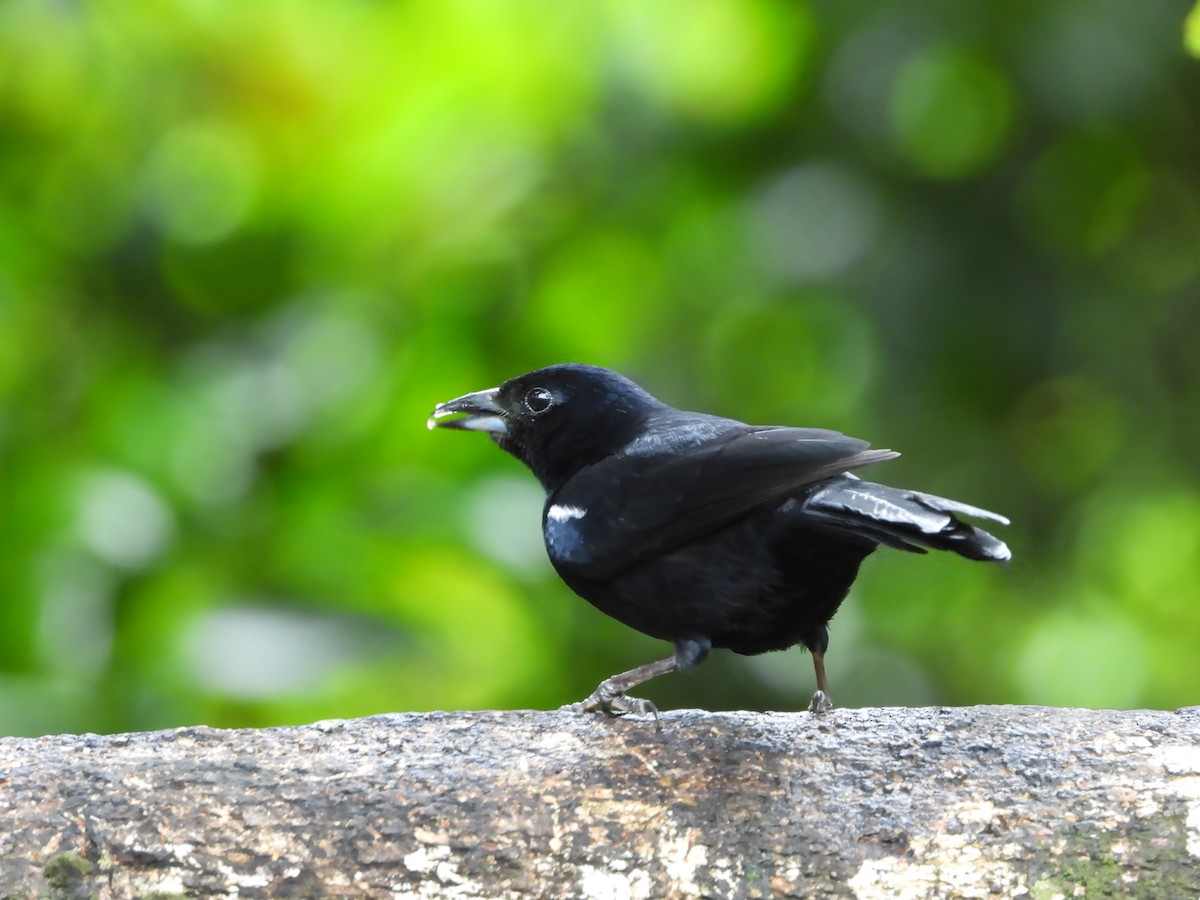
(962, 802)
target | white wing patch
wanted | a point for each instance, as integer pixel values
(563, 538)
(558, 513)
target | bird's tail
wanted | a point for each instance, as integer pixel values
(904, 519)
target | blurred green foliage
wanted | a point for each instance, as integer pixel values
(245, 247)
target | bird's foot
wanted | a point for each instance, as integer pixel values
(610, 696)
(614, 704)
(820, 703)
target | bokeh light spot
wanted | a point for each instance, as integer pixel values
(717, 60)
(587, 297)
(1091, 63)
(951, 112)
(122, 519)
(201, 182)
(473, 629)
(1081, 196)
(813, 222)
(256, 652)
(860, 73)
(76, 627)
(1144, 547)
(503, 520)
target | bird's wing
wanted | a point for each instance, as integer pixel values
(626, 509)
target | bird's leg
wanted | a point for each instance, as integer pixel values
(820, 701)
(610, 696)
(690, 652)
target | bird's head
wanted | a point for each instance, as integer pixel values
(555, 420)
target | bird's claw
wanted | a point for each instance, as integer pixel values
(820, 703)
(613, 704)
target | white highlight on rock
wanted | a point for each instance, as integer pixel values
(614, 885)
(1183, 762)
(684, 861)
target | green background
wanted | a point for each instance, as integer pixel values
(245, 247)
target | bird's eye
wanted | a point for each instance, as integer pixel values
(538, 400)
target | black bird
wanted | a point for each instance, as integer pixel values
(700, 530)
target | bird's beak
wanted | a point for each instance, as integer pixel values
(482, 413)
